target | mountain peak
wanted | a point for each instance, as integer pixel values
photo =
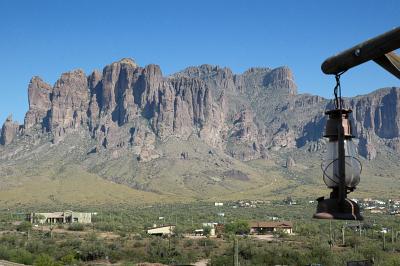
(128, 61)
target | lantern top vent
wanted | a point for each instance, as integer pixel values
(337, 117)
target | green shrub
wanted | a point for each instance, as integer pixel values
(21, 256)
(45, 260)
(207, 230)
(188, 243)
(68, 259)
(206, 242)
(9, 240)
(238, 227)
(36, 247)
(106, 226)
(76, 227)
(24, 227)
(4, 253)
(138, 244)
(92, 251)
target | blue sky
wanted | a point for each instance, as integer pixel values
(47, 38)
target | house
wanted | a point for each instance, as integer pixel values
(161, 230)
(261, 228)
(378, 210)
(60, 217)
(199, 232)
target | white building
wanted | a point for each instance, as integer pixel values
(60, 217)
(161, 230)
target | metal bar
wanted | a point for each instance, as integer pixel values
(341, 165)
(369, 50)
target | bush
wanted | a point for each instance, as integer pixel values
(4, 253)
(188, 243)
(221, 260)
(9, 240)
(76, 227)
(21, 256)
(206, 243)
(45, 260)
(92, 251)
(36, 247)
(68, 259)
(106, 226)
(280, 233)
(72, 243)
(24, 227)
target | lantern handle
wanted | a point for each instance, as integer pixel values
(337, 91)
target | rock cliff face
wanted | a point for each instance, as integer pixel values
(128, 109)
(39, 96)
(377, 119)
(9, 131)
(69, 105)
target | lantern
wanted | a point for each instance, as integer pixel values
(341, 169)
(330, 166)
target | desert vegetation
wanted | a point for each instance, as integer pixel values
(117, 235)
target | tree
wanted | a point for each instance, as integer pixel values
(207, 231)
(238, 228)
(39, 218)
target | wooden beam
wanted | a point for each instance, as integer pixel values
(372, 49)
(390, 62)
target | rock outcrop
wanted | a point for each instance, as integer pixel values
(70, 102)
(377, 117)
(290, 163)
(39, 96)
(9, 131)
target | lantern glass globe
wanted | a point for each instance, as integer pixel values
(330, 165)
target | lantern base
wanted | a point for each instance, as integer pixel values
(331, 209)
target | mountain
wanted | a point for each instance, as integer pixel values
(199, 133)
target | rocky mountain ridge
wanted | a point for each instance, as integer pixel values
(129, 110)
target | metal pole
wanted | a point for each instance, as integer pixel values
(341, 165)
(330, 234)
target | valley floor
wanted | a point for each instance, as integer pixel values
(117, 236)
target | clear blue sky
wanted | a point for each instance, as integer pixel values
(47, 38)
